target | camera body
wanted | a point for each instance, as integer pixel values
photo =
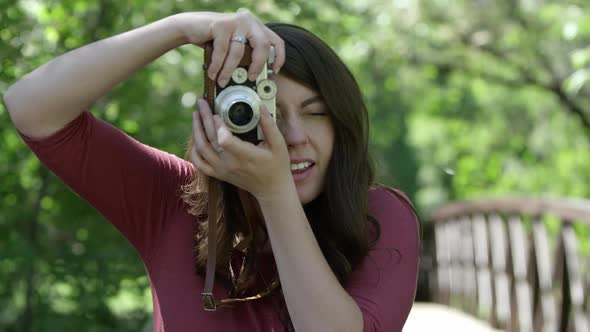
(239, 102)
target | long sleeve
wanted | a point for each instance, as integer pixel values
(133, 185)
(384, 285)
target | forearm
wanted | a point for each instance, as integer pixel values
(52, 95)
(315, 299)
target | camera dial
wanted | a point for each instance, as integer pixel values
(240, 75)
(267, 89)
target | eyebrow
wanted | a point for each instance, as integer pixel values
(308, 101)
(311, 100)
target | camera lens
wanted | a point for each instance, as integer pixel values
(240, 113)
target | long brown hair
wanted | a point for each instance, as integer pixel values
(339, 215)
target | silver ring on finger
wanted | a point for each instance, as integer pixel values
(239, 39)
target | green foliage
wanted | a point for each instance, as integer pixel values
(467, 99)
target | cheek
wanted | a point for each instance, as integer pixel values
(325, 140)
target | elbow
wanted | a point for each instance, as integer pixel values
(16, 104)
(11, 104)
(356, 324)
(8, 99)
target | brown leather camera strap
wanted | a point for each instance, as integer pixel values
(215, 197)
(214, 192)
(209, 303)
(209, 83)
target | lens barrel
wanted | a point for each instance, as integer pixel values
(239, 107)
(240, 113)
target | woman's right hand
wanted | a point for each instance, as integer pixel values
(198, 28)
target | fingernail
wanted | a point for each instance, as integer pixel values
(223, 82)
(212, 76)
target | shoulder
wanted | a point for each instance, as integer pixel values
(379, 193)
(394, 212)
(386, 200)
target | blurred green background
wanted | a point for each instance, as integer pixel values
(468, 99)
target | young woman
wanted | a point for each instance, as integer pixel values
(306, 241)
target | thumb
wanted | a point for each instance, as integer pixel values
(272, 134)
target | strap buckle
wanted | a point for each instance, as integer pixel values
(208, 302)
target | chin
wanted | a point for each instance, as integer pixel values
(307, 194)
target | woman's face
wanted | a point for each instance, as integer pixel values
(304, 121)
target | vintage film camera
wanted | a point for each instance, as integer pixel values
(238, 103)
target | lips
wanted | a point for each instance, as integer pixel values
(301, 168)
(299, 164)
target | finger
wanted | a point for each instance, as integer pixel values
(221, 129)
(200, 164)
(220, 49)
(230, 143)
(226, 139)
(261, 46)
(207, 120)
(279, 45)
(272, 134)
(234, 56)
(202, 144)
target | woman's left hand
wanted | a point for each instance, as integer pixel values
(263, 169)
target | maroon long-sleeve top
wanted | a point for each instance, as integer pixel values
(137, 188)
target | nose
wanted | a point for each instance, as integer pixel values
(293, 130)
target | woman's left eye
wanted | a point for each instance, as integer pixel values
(317, 113)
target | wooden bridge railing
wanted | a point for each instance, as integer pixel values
(498, 260)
